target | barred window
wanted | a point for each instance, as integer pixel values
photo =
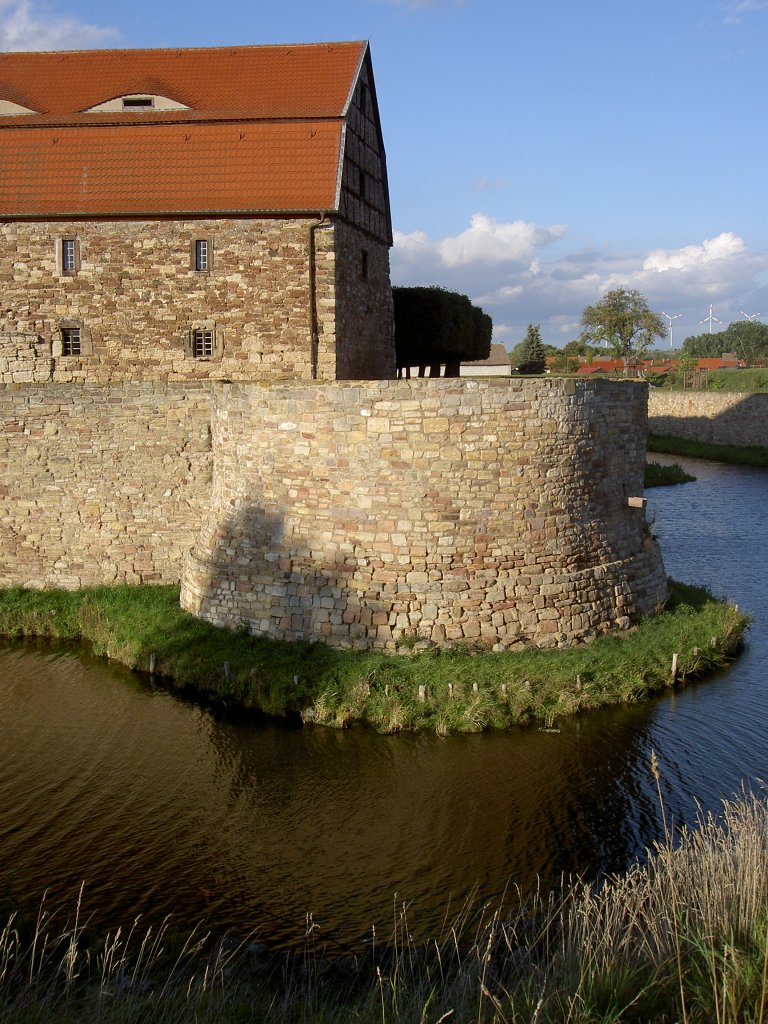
(202, 344)
(71, 342)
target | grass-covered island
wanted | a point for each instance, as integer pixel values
(658, 475)
(443, 690)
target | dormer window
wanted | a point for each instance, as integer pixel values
(10, 108)
(136, 101)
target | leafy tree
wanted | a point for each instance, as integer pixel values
(565, 363)
(435, 326)
(747, 339)
(531, 358)
(579, 347)
(704, 346)
(624, 320)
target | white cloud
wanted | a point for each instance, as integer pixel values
(735, 11)
(507, 269)
(723, 247)
(485, 241)
(25, 25)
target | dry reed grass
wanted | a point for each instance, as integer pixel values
(682, 937)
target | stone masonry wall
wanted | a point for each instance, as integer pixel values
(137, 296)
(365, 326)
(484, 510)
(101, 485)
(709, 416)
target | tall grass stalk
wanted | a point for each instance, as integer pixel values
(682, 936)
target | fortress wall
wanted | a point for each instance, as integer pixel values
(99, 484)
(481, 510)
(714, 417)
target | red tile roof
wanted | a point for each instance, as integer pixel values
(186, 169)
(239, 81)
(263, 134)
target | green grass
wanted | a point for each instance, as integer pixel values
(751, 381)
(443, 690)
(748, 456)
(682, 937)
(657, 475)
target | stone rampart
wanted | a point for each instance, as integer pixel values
(490, 511)
(101, 485)
(714, 417)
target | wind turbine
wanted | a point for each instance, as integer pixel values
(710, 319)
(750, 316)
(671, 318)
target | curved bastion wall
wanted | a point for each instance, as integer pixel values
(497, 511)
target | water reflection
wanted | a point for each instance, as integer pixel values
(162, 809)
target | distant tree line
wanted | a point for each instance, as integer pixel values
(746, 339)
(435, 327)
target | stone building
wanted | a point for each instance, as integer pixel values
(197, 374)
(193, 214)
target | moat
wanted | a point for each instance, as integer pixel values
(160, 808)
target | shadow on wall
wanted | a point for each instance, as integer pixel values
(243, 574)
(719, 417)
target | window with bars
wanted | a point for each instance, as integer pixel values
(71, 341)
(202, 344)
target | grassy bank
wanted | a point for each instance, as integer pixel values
(752, 456)
(682, 937)
(749, 381)
(457, 689)
(657, 475)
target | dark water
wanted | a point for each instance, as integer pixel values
(161, 809)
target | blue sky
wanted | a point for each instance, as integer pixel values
(539, 151)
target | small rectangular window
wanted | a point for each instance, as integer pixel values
(202, 344)
(138, 101)
(362, 189)
(69, 255)
(201, 255)
(70, 341)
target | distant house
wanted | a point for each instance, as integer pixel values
(194, 213)
(498, 364)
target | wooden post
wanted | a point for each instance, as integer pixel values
(226, 670)
(450, 690)
(152, 663)
(578, 683)
(422, 694)
(674, 666)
